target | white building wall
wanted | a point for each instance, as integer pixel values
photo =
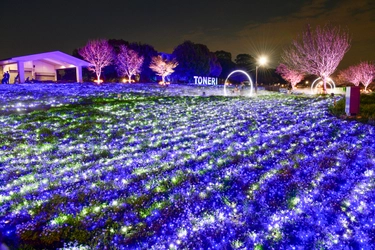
(44, 71)
(13, 71)
(29, 70)
(28, 65)
(42, 67)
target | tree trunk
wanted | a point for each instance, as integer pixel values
(98, 75)
(163, 77)
(130, 78)
(324, 85)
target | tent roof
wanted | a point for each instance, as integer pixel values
(54, 57)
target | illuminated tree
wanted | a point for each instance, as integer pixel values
(162, 67)
(362, 73)
(350, 75)
(128, 62)
(367, 73)
(318, 52)
(144, 50)
(99, 53)
(289, 75)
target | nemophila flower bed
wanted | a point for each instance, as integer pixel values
(172, 172)
(28, 97)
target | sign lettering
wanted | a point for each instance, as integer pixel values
(205, 80)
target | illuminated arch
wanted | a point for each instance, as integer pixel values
(330, 82)
(238, 71)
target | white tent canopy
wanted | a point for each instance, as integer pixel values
(42, 66)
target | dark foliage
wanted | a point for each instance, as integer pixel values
(193, 60)
(245, 62)
(225, 60)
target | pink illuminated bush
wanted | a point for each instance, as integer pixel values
(289, 75)
(361, 73)
(350, 75)
(367, 73)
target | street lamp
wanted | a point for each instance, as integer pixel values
(261, 62)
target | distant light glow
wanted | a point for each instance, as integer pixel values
(262, 60)
(316, 83)
(125, 80)
(164, 83)
(238, 71)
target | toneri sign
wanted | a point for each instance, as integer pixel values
(204, 80)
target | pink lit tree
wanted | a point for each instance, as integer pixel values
(367, 73)
(289, 75)
(162, 67)
(361, 73)
(99, 53)
(128, 62)
(318, 52)
(351, 75)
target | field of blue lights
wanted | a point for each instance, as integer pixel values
(148, 168)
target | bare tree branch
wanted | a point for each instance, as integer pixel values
(128, 62)
(318, 52)
(162, 67)
(99, 53)
(289, 75)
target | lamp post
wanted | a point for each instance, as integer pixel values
(261, 62)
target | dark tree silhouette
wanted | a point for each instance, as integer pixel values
(225, 60)
(215, 67)
(193, 59)
(245, 62)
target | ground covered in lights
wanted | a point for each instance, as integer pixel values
(147, 169)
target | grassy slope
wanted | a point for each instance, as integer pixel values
(367, 108)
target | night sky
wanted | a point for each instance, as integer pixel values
(237, 26)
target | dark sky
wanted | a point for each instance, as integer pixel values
(237, 26)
